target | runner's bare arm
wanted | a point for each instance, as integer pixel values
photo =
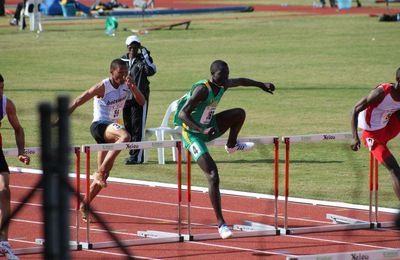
(199, 94)
(267, 87)
(18, 131)
(96, 90)
(361, 105)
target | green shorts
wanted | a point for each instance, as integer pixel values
(196, 142)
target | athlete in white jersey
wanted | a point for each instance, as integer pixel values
(378, 114)
(109, 107)
(8, 109)
(109, 98)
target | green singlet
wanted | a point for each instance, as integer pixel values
(203, 115)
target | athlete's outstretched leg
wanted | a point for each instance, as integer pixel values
(207, 164)
(5, 208)
(391, 164)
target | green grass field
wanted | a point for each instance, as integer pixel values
(321, 66)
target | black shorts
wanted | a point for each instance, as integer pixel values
(97, 129)
(3, 163)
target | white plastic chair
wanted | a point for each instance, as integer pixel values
(160, 132)
(32, 11)
(143, 4)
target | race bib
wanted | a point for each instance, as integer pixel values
(195, 150)
(114, 112)
(370, 143)
(207, 115)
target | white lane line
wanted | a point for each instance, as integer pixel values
(242, 249)
(339, 242)
(91, 251)
(200, 207)
(119, 254)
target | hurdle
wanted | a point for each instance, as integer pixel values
(73, 245)
(248, 228)
(340, 223)
(374, 184)
(151, 236)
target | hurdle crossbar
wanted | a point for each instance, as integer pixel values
(238, 233)
(40, 249)
(88, 148)
(74, 245)
(347, 223)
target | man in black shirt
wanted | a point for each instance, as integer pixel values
(141, 66)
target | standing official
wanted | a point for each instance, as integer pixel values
(141, 66)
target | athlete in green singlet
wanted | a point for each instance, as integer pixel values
(195, 114)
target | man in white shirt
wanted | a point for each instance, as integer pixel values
(109, 97)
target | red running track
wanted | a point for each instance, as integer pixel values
(129, 208)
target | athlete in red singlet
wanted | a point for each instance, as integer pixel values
(378, 114)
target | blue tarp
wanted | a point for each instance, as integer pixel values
(52, 7)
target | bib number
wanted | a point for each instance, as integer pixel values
(207, 115)
(195, 149)
(114, 113)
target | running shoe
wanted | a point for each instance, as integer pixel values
(100, 179)
(5, 249)
(245, 146)
(224, 231)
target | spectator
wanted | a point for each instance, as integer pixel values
(331, 2)
(78, 6)
(141, 66)
(17, 15)
(144, 4)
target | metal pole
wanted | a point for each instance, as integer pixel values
(62, 169)
(189, 190)
(50, 187)
(179, 165)
(376, 189)
(87, 184)
(276, 179)
(371, 185)
(287, 143)
(78, 190)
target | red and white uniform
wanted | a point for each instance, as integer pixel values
(377, 115)
(378, 124)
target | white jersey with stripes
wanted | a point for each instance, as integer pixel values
(109, 108)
